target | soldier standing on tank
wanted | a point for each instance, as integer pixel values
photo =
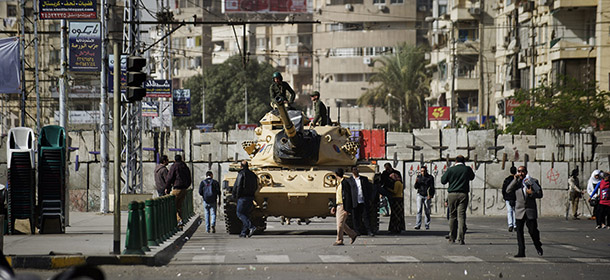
(279, 88)
(244, 188)
(320, 116)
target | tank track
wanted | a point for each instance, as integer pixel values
(232, 222)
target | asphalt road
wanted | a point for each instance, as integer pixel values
(572, 250)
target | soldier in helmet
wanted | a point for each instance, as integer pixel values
(320, 116)
(279, 88)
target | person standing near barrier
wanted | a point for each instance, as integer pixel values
(601, 193)
(596, 177)
(526, 190)
(574, 194)
(397, 203)
(244, 188)
(458, 177)
(180, 178)
(343, 197)
(509, 198)
(361, 191)
(209, 189)
(161, 176)
(424, 184)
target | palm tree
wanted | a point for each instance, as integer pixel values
(404, 76)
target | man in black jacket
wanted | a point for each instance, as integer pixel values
(424, 184)
(510, 198)
(244, 188)
(180, 178)
(361, 195)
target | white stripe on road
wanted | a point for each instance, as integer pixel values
(272, 258)
(573, 248)
(463, 259)
(400, 259)
(592, 260)
(529, 259)
(335, 258)
(209, 259)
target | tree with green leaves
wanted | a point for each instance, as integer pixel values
(569, 105)
(404, 76)
(224, 85)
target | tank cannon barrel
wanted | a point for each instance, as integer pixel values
(289, 128)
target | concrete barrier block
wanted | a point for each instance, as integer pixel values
(495, 175)
(602, 151)
(495, 204)
(455, 141)
(403, 145)
(429, 140)
(516, 147)
(3, 148)
(479, 175)
(548, 142)
(476, 204)
(238, 136)
(554, 176)
(411, 169)
(481, 141)
(553, 203)
(148, 141)
(148, 177)
(217, 150)
(575, 148)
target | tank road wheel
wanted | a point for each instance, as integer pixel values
(233, 224)
(260, 223)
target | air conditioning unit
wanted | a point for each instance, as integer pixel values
(367, 60)
(528, 6)
(349, 7)
(381, 7)
(474, 11)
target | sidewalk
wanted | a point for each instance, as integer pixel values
(88, 239)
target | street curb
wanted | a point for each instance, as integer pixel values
(162, 257)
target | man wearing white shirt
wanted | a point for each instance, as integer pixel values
(361, 191)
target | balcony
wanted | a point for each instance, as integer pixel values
(557, 4)
(464, 83)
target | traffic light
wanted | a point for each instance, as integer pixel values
(135, 79)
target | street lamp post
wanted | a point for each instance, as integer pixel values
(453, 66)
(399, 110)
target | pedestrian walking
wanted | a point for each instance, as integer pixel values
(596, 177)
(458, 177)
(424, 184)
(574, 193)
(602, 192)
(397, 204)
(343, 196)
(161, 172)
(361, 193)
(244, 188)
(509, 199)
(526, 189)
(180, 178)
(209, 189)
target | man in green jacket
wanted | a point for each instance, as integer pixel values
(458, 177)
(320, 116)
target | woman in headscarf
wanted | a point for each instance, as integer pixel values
(596, 177)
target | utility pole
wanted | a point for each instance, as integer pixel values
(533, 66)
(481, 62)
(62, 78)
(104, 112)
(117, 151)
(453, 74)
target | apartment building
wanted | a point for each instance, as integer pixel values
(539, 41)
(463, 58)
(351, 35)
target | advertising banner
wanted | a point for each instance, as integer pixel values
(182, 102)
(150, 109)
(158, 88)
(81, 117)
(111, 73)
(10, 82)
(439, 113)
(85, 46)
(68, 9)
(266, 6)
(511, 104)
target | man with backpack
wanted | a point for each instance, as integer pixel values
(209, 189)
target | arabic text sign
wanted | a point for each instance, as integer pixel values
(68, 9)
(266, 6)
(85, 46)
(182, 102)
(439, 113)
(158, 88)
(111, 73)
(150, 109)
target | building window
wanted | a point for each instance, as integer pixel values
(442, 9)
(54, 57)
(11, 10)
(261, 43)
(442, 70)
(379, 2)
(349, 77)
(468, 102)
(348, 26)
(278, 41)
(396, 1)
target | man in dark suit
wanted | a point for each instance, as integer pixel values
(526, 189)
(361, 196)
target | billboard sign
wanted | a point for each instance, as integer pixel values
(81, 117)
(182, 102)
(511, 104)
(267, 6)
(150, 109)
(85, 46)
(158, 88)
(439, 113)
(67, 9)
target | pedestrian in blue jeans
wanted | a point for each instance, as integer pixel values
(510, 199)
(209, 189)
(244, 189)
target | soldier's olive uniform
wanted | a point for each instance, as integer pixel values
(280, 89)
(320, 116)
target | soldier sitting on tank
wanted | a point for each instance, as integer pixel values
(320, 116)
(279, 88)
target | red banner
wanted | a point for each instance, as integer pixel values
(511, 104)
(439, 113)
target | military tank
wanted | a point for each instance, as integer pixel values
(295, 168)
